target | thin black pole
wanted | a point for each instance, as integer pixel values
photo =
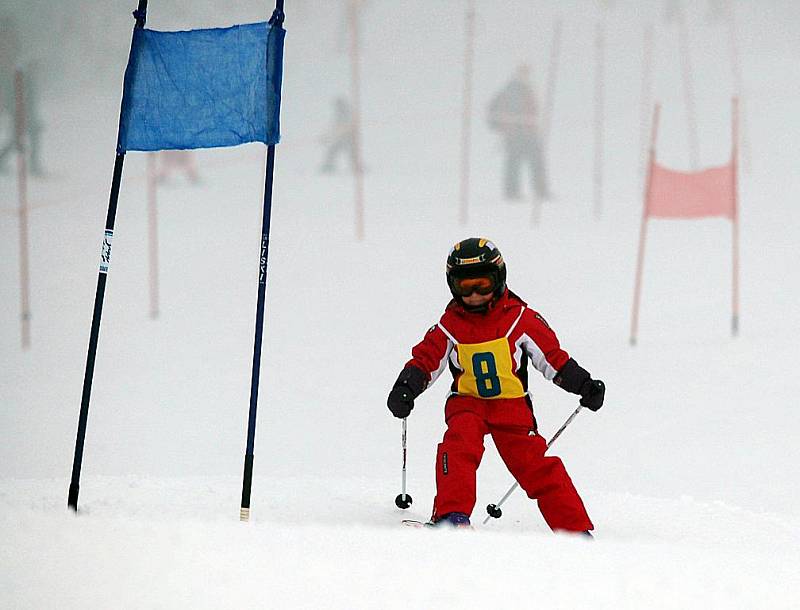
(244, 513)
(247, 481)
(105, 258)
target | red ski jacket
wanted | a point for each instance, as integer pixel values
(487, 352)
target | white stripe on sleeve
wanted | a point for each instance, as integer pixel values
(442, 363)
(537, 357)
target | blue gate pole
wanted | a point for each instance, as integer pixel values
(247, 482)
(105, 258)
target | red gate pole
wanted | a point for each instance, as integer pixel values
(22, 191)
(466, 118)
(738, 86)
(355, 93)
(549, 101)
(152, 231)
(735, 236)
(552, 78)
(646, 96)
(599, 119)
(688, 89)
(637, 291)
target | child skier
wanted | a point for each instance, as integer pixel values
(485, 337)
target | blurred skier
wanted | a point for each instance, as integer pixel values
(486, 337)
(512, 113)
(340, 138)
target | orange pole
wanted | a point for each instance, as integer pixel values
(466, 119)
(738, 86)
(637, 291)
(552, 74)
(152, 226)
(735, 219)
(599, 119)
(355, 88)
(22, 190)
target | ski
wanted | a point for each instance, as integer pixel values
(416, 523)
(431, 525)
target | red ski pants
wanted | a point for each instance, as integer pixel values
(511, 424)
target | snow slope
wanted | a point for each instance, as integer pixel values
(689, 472)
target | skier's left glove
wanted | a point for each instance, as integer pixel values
(593, 391)
(410, 384)
(574, 378)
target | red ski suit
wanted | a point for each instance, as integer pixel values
(487, 354)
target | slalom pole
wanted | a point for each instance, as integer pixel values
(404, 500)
(493, 510)
(22, 191)
(550, 94)
(277, 18)
(105, 259)
(552, 78)
(688, 89)
(599, 119)
(355, 93)
(637, 290)
(152, 231)
(466, 117)
(735, 219)
(738, 85)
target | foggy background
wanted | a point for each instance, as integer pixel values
(185, 376)
(692, 415)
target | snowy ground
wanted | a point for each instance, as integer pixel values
(165, 543)
(689, 472)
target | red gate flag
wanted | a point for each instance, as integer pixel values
(698, 194)
(675, 194)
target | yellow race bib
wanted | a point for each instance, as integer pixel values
(488, 370)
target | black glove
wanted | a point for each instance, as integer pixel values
(410, 384)
(400, 401)
(574, 378)
(593, 391)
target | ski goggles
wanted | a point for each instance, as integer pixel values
(466, 286)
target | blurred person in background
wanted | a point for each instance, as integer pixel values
(340, 138)
(512, 113)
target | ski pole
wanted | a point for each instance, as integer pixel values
(403, 500)
(494, 509)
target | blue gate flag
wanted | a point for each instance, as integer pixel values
(202, 88)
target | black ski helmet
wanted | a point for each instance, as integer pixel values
(475, 257)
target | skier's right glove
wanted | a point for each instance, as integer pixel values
(410, 384)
